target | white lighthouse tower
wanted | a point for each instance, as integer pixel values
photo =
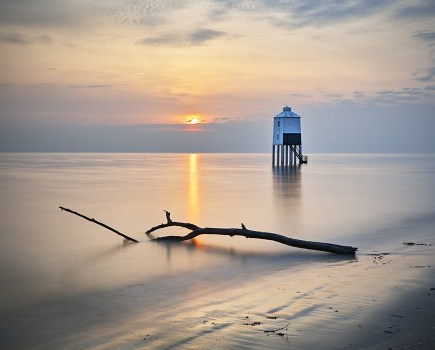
(287, 142)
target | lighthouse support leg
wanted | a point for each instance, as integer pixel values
(278, 154)
(273, 154)
(282, 154)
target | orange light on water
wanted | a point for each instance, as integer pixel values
(193, 189)
(197, 243)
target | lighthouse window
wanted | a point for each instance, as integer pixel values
(278, 123)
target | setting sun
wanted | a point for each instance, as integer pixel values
(193, 120)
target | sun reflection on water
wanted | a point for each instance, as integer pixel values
(193, 188)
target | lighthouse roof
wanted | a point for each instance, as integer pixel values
(287, 113)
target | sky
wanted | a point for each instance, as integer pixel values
(127, 75)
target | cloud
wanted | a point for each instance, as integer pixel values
(162, 39)
(21, 39)
(296, 14)
(429, 38)
(334, 11)
(393, 97)
(14, 38)
(148, 13)
(298, 94)
(426, 36)
(417, 9)
(91, 86)
(429, 76)
(200, 36)
(203, 35)
(42, 13)
(52, 86)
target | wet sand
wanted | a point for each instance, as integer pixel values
(408, 322)
(298, 300)
(376, 301)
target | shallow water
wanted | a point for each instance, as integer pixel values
(69, 283)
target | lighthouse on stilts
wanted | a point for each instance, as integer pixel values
(287, 141)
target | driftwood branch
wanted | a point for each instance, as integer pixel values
(100, 223)
(244, 232)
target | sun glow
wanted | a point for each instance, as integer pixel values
(193, 119)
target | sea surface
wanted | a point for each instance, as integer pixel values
(68, 283)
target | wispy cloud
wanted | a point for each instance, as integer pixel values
(63, 86)
(90, 86)
(203, 35)
(297, 14)
(200, 36)
(298, 94)
(21, 39)
(417, 9)
(393, 97)
(322, 13)
(429, 38)
(6, 85)
(426, 36)
(40, 13)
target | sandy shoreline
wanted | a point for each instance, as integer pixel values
(375, 301)
(408, 320)
(380, 301)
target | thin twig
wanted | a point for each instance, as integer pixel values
(99, 223)
(276, 330)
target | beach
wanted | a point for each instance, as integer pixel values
(69, 284)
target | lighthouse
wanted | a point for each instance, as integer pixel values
(287, 141)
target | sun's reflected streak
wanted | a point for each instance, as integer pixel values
(193, 188)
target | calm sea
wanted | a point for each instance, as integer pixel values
(68, 283)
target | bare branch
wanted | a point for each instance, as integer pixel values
(99, 223)
(244, 232)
